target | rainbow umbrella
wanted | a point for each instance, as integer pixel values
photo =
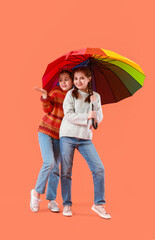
(114, 77)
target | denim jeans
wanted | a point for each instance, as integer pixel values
(50, 150)
(88, 151)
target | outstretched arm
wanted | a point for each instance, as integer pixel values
(46, 100)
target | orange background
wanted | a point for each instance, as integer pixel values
(34, 33)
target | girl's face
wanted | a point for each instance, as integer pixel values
(65, 81)
(81, 81)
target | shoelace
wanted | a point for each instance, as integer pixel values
(67, 208)
(103, 209)
(54, 203)
(36, 202)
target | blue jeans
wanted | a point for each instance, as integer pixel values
(88, 151)
(50, 150)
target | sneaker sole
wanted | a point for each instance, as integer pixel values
(52, 210)
(99, 213)
(66, 215)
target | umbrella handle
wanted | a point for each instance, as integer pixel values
(95, 125)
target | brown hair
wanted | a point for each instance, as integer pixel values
(61, 71)
(88, 74)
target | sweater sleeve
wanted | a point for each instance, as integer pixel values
(70, 114)
(47, 103)
(98, 109)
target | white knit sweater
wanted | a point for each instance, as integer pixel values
(75, 122)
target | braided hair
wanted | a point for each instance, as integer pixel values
(88, 74)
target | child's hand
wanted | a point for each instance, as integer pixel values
(92, 98)
(43, 91)
(91, 127)
(91, 115)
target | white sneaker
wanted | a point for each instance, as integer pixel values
(34, 202)
(67, 211)
(53, 206)
(101, 211)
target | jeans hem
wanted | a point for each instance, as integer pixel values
(52, 199)
(100, 203)
(40, 192)
(69, 204)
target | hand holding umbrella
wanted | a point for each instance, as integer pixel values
(92, 114)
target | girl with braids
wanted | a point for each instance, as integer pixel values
(76, 133)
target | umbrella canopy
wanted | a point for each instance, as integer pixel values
(114, 77)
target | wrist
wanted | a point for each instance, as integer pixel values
(44, 99)
(44, 96)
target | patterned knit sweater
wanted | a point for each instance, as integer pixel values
(52, 106)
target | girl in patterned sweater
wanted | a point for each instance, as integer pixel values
(48, 136)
